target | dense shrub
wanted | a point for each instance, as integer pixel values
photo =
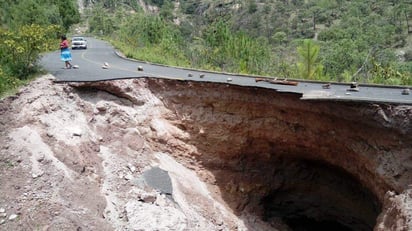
(28, 28)
(20, 49)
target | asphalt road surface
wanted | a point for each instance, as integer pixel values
(92, 60)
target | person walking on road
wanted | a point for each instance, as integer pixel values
(65, 54)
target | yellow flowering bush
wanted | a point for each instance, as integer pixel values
(20, 50)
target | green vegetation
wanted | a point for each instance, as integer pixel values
(331, 40)
(309, 66)
(28, 28)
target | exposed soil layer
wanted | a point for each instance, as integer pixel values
(239, 158)
(311, 163)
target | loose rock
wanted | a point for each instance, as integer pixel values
(13, 217)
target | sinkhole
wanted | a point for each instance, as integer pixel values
(304, 194)
(312, 195)
(311, 165)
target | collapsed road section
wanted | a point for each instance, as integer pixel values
(169, 154)
(324, 164)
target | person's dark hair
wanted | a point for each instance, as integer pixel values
(64, 37)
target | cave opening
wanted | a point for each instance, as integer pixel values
(313, 195)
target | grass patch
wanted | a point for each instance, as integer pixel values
(153, 54)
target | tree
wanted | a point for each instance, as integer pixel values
(252, 6)
(309, 66)
(166, 11)
(315, 12)
(28, 12)
(40, 12)
(340, 56)
(68, 12)
(280, 38)
(402, 10)
(101, 22)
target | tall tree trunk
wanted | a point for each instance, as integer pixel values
(314, 22)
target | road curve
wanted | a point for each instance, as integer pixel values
(91, 61)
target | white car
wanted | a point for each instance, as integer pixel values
(79, 42)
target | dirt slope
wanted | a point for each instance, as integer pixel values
(73, 159)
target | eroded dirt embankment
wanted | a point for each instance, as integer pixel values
(239, 159)
(275, 155)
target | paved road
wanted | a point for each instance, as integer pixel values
(90, 63)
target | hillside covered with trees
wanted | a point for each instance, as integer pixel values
(360, 40)
(331, 40)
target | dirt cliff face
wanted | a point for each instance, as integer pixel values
(276, 155)
(240, 158)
